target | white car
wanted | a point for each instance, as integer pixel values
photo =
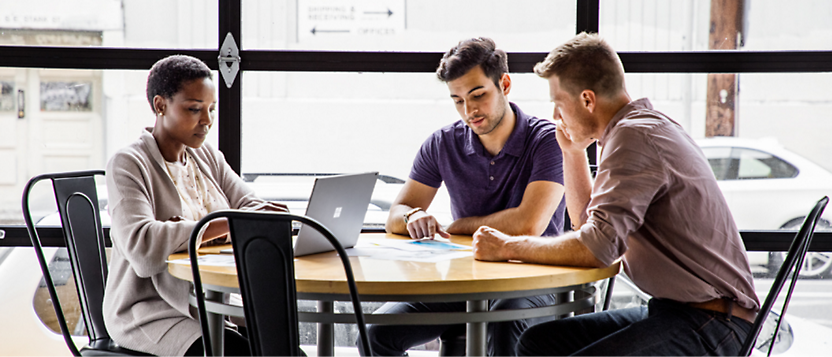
(768, 187)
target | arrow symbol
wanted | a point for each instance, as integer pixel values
(388, 12)
(315, 30)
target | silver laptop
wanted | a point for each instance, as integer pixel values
(340, 204)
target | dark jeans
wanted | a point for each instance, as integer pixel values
(664, 327)
(235, 345)
(394, 340)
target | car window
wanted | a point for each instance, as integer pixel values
(755, 164)
(724, 166)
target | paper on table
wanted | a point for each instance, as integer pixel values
(363, 251)
(414, 245)
(424, 250)
(426, 256)
(219, 260)
(428, 251)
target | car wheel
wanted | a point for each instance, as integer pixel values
(815, 265)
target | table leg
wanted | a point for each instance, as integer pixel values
(326, 332)
(476, 332)
(562, 298)
(216, 324)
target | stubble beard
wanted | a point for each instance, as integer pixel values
(497, 121)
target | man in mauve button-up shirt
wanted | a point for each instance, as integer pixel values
(654, 203)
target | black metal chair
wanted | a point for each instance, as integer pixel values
(77, 201)
(264, 257)
(791, 267)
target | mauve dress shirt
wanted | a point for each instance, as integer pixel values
(480, 184)
(655, 202)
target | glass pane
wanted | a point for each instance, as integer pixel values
(780, 131)
(66, 126)
(401, 25)
(647, 25)
(66, 96)
(757, 164)
(753, 166)
(721, 162)
(687, 25)
(354, 122)
(110, 23)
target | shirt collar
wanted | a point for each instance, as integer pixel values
(516, 140)
(152, 146)
(636, 105)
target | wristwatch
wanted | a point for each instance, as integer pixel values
(410, 213)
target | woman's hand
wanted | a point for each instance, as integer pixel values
(216, 232)
(217, 229)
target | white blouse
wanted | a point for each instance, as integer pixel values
(198, 195)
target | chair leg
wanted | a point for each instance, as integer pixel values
(608, 295)
(452, 346)
(453, 341)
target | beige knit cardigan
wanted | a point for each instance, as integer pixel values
(146, 308)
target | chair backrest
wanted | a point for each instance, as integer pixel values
(265, 269)
(791, 267)
(77, 201)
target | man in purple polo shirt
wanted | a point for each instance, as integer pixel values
(502, 168)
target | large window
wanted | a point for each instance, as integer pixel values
(693, 25)
(402, 25)
(110, 23)
(327, 87)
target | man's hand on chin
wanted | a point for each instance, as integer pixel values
(490, 244)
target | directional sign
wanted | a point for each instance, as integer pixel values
(322, 20)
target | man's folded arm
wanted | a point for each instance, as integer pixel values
(531, 217)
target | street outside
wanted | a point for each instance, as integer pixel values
(810, 300)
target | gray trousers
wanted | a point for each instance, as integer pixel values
(394, 340)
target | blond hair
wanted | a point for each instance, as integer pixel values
(584, 62)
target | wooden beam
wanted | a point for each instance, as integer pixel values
(725, 32)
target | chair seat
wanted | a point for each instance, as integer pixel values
(107, 347)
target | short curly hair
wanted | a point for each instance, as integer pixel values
(168, 74)
(467, 54)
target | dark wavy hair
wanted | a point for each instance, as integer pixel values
(168, 74)
(470, 53)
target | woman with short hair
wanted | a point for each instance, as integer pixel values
(159, 187)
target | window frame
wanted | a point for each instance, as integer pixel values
(230, 123)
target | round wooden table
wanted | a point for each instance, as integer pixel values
(321, 277)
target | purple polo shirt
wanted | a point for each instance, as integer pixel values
(480, 184)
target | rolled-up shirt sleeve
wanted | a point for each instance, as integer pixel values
(547, 162)
(630, 176)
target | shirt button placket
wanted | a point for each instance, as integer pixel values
(491, 173)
